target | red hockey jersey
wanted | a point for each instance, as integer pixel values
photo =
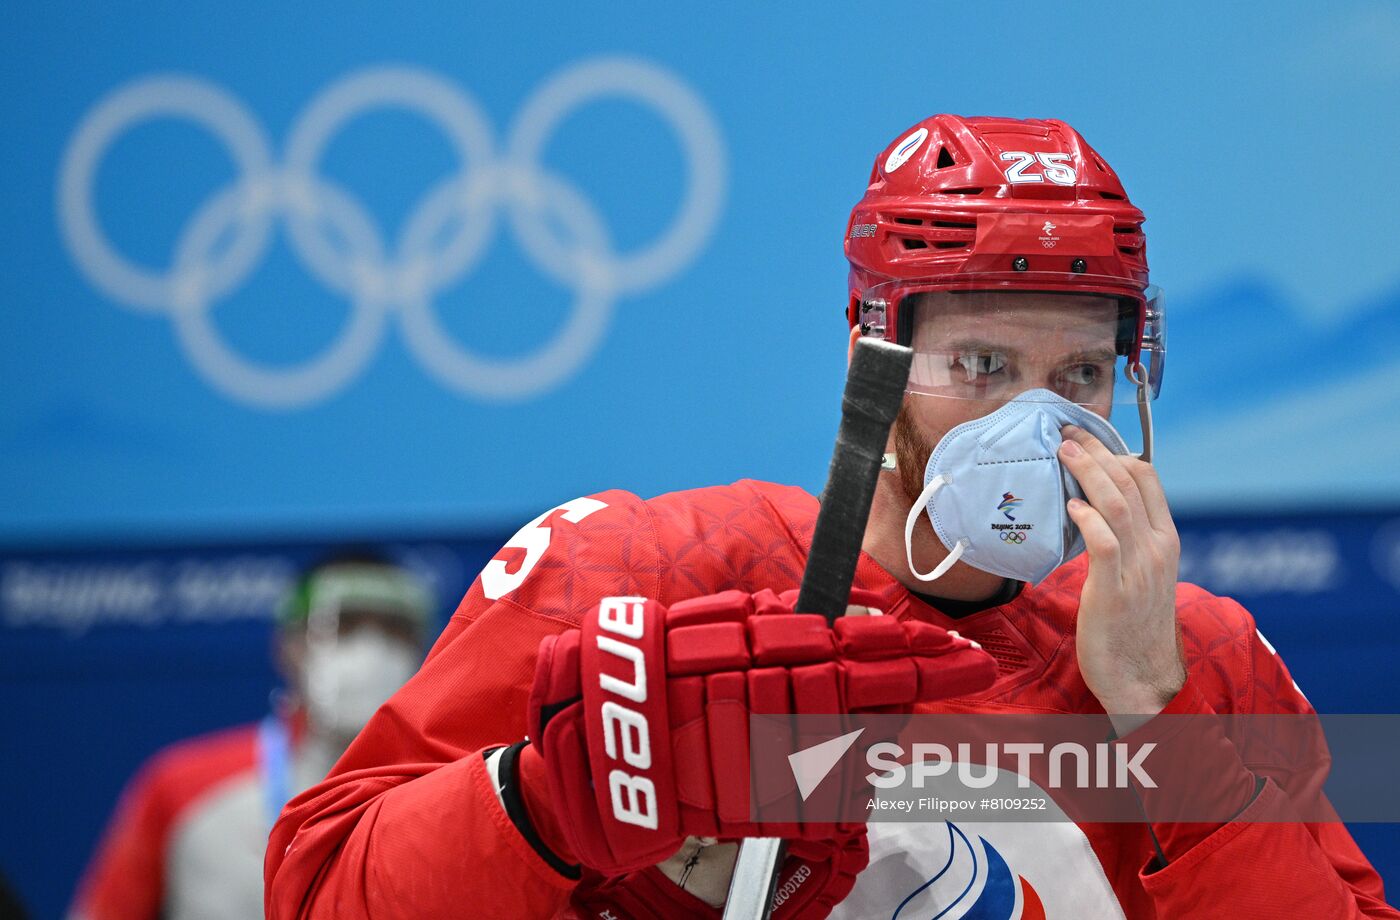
(188, 837)
(171, 827)
(408, 824)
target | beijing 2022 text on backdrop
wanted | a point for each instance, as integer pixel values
(281, 277)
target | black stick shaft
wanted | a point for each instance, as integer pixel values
(875, 385)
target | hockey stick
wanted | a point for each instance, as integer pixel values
(875, 385)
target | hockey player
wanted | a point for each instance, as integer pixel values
(575, 743)
(188, 837)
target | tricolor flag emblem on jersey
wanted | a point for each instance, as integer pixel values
(953, 892)
(1009, 503)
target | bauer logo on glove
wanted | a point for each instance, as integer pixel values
(642, 715)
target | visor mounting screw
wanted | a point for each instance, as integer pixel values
(1020, 263)
(1078, 266)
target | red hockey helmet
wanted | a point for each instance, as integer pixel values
(995, 205)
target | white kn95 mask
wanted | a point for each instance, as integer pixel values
(995, 491)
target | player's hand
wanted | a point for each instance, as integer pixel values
(641, 716)
(814, 878)
(1128, 639)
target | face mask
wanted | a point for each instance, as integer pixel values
(351, 677)
(995, 492)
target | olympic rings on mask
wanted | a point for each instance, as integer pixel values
(1013, 536)
(338, 241)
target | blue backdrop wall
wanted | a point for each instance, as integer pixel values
(277, 275)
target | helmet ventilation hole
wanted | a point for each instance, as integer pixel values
(945, 159)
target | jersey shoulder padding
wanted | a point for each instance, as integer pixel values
(749, 535)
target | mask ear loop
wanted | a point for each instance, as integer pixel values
(926, 496)
(1137, 374)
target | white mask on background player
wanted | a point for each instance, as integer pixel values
(351, 677)
(995, 491)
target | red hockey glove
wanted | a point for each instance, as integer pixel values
(642, 715)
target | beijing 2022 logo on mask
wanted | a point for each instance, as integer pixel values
(336, 239)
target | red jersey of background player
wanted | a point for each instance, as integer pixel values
(410, 823)
(187, 840)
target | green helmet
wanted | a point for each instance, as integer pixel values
(358, 584)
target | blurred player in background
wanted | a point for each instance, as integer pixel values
(575, 745)
(189, 834)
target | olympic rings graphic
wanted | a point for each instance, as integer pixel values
(1013, 536)
(336, 239)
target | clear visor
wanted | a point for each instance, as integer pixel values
(994, 345)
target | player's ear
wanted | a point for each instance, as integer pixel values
(851, 345)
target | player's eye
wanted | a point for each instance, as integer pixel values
(1082, 375)
(977, 365)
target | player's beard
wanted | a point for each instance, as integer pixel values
(912, 448)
